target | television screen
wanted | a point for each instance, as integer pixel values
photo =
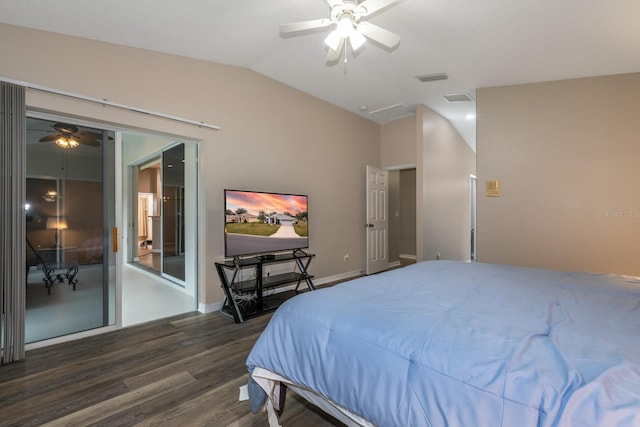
(259, 222)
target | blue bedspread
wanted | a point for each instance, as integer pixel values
(466, 344)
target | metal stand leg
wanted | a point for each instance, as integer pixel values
(228, 292)
(304, 275)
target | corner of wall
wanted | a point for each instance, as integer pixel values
(444, 164)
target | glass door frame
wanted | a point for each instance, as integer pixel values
(118, 168)
(192, 211)
(113, 305)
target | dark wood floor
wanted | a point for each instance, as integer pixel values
(184, 370)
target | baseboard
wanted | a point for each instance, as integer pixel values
(209, 308)
(70, 337)
(413, 257)
(338, 277)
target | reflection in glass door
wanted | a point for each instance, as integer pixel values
(173, 205)
(70, 202)
(145, 214)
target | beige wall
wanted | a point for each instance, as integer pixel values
(273, 137)
(445, 161)
(398, 143)
(567, 155)
(147, 179)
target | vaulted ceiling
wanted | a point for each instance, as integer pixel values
(475, 43)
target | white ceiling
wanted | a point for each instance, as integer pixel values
(476, 43)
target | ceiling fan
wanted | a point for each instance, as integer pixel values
(345, 17)
(69, 136)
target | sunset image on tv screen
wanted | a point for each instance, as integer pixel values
(258, 222)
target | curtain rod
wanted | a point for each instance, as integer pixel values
(104, 101)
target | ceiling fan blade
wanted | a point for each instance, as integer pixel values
(335, 2)
(89, 142)
(379, 34)
(334, 55)
(304, 25)
(372, 6)
(65, 128)
(88, 138)
(49, 138)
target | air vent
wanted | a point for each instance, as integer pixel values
(457, 97)
(432, 77)
(392, 112)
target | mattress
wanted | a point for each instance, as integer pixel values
(464, 344)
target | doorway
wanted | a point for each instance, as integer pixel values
(147, 185)
(403, 215)
(146, 213)
(161, 212)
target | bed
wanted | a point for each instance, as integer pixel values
(444, 343)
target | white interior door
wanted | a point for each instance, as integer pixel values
(377, 221)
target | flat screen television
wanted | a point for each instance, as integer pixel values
(263, 223)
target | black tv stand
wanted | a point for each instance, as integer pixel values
(245, 298)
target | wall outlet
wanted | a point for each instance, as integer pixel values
(346, 257)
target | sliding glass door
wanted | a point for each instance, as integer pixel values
(70, 201)
(173, 215)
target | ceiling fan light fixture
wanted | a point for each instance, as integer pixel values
(357, 40)
(50, 196)
(345, 26)
(66, 142)
(333, 40)
(345, 20)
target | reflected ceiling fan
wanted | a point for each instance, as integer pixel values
(345, 17)
(69, 136)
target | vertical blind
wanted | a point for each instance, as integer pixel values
(12, 222)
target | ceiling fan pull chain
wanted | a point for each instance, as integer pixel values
(345, 58)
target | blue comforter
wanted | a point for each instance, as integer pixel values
(466, 344)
